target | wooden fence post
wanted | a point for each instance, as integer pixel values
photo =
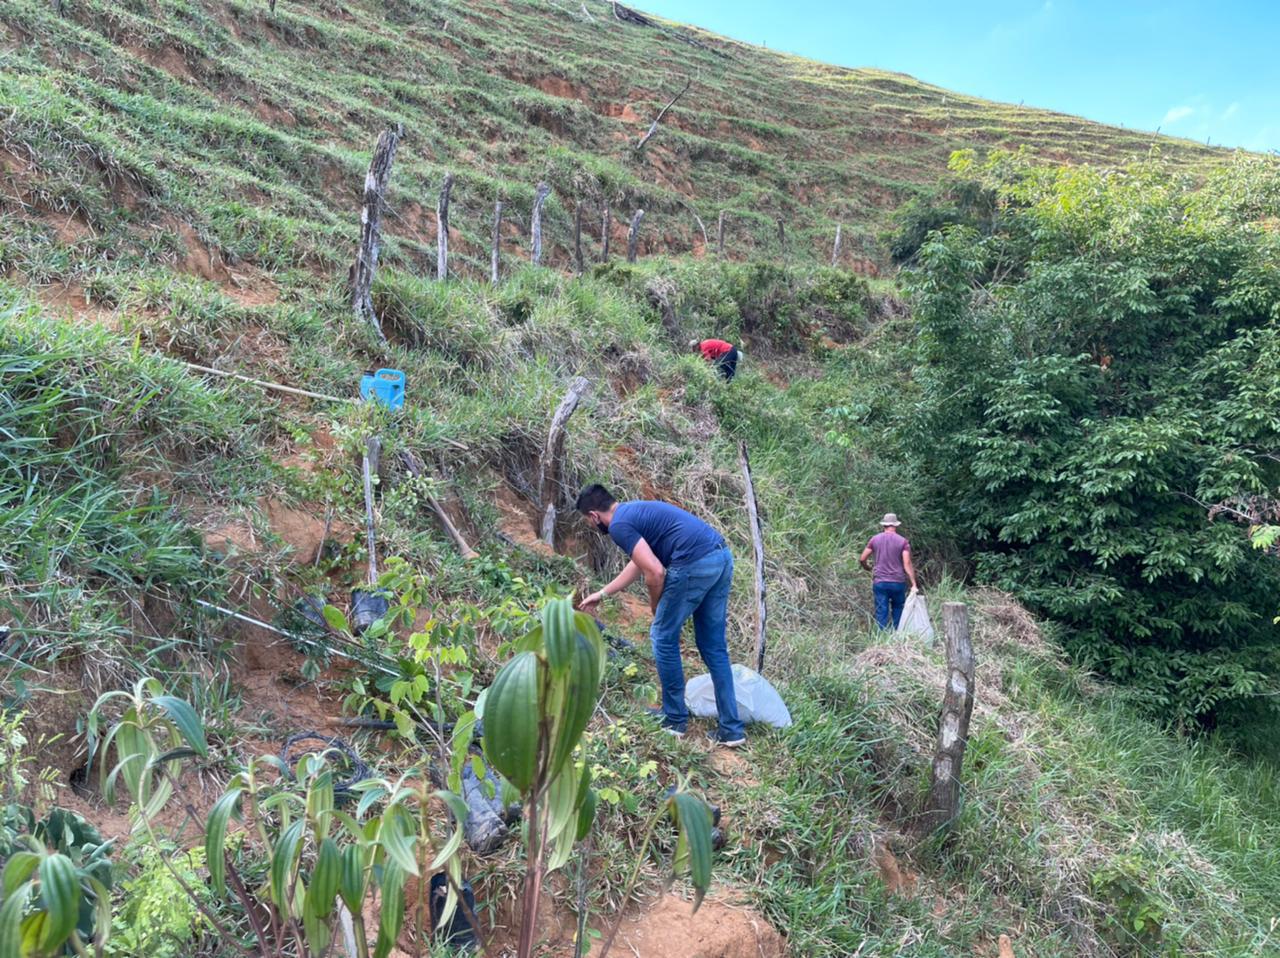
(943, 804)
(835, 249)
(720, 237)
(757, 539)
(497, 240)
(633, 236)
(551, 466)
(606, 223)
(442, 229)
(539, 198)
(375, 189)
(577, 238)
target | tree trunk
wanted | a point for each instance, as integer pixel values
(661, 113)
(953, 728)
(442, 229)
(577, 238)
(606, 224)
(539, 198)
(497, 240)
(720, 237)
(757, 539)
(375, 189)
(633, 236)
(551, 467)
(414, 466)
(835, 249)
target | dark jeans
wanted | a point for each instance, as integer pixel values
(890, 596)
(728, 364)
(701, 590)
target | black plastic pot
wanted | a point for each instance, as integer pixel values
(366, 609)
(459, 932)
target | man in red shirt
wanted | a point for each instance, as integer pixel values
(724, 355)
(891, 572)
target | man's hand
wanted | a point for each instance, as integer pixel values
(592, 602)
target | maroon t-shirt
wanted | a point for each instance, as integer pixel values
(887, 548)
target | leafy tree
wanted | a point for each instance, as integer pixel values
(1098, 369)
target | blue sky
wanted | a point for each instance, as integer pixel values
(1193, 69)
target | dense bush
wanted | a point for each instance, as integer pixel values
(1097, 371)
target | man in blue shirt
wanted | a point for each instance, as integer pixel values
(688, 570)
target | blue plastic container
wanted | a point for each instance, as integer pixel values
(386, 386)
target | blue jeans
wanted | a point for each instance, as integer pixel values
(701, 590)
(889, 596)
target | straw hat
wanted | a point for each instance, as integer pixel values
(890, 519)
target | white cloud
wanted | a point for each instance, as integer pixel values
(1231, 111)
(1177, 113)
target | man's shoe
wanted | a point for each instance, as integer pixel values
(730, 741)
(673, 731)
(667, 725)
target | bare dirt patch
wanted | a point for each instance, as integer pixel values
(518, 520)
(72, 301)
(718, 929)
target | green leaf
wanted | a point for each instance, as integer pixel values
(512, 721)
(15, 905)
(185, 720)
(325, 878)
(215, 837)
(18, 869)
(460, 811)
(558, 634)
(398, 836)
(586, 814)
(351, 885)
(392, 916)
(573, 702)
(284, 859)
(60, 897)
(693, 819)
(335, 619)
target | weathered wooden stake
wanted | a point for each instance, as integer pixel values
(551, 466)
(943, 804)
(606, 223)
(835, 249)
(442, 229)
(414, 466)
(375, 189)
(782, 234)
(633, 236)
(757, 539)
(661, 113)
(539, 198)
(720, 237)
(497, 240)
(577, 237)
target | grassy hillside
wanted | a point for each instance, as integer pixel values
(182, 185)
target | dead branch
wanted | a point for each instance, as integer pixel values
(661, 113)
(442, 229)
(551, 466)
(375, 194)
(415, 469)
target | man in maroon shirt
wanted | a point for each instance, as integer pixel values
(891, 572)
(723, 354)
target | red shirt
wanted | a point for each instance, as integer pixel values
(713, 349)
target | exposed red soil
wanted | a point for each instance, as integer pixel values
(718, 929)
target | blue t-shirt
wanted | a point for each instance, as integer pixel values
(675, 536)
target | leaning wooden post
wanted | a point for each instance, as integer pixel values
(539, 198)
(943, 803)
(497, 239)
(720, 237)
(442, 229)
(633, 236)
(551, 466)
(835, 249)
(757, 539)
(577, 238)
(606, 223)
(782, 234)
(414, 466)
(375, 190)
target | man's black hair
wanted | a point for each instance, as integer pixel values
(594, 498)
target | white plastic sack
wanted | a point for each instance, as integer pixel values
(758, 701)
(915, 617)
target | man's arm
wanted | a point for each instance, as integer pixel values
(622, 581)
(655, 573)
(862, 559)
(908, 567)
